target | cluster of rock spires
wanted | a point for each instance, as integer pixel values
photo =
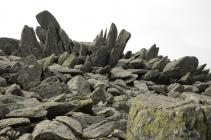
(60, 89)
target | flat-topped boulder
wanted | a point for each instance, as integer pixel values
(161, 117)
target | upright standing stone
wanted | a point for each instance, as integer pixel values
(41, 34)
(52, 40)
(44, 18)
(111, 38)
(28, 43)
(117, 51)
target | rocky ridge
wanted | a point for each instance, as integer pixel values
(55, 88)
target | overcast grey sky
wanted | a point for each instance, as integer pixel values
(178, 27)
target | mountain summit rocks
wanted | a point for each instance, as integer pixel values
(56, 88)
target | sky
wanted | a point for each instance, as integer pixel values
(178, 27)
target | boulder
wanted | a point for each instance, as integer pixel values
(50, 87)
(35, 112)
(161, 117)
(120, 73)
(29, 76)
(9, 45)
(152, 52)
(117, 52)
(181, 66)
(72, 123)
(79, 85)
(45, 18)
(41, 34)
(28, 43)
(13, 122)
(52, 130)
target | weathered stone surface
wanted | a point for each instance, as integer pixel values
(120, 73)
(67, 44)
(117, 51)
(45, 18)
(181, 66)
(14, 122)
(3, 82)
(26, 136)
(72, 123)
(29, 76)
(101, 129)
(111, 38)
(30, 112)
(41, 34)
(9, 45)
(50, 87)
(79, 85)
(160, 117)
(86, 119)
(52, 40)
(152, 52)
(28, 43)
(70, 61)
(52, 130)
(98, 95)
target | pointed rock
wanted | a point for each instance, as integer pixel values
(28, 43)
(117, 52)
(111, 38)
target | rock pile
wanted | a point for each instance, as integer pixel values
(56, 88)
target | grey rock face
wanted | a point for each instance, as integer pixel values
(45, 18)
(53, 130)
(52, 41)
(117, 51)
(50, 88)
(9, 45)
(151, 53)
(72, 123)
(31, 112)
(79, 85)
(41, 34)
(13, 122)
(181, 66)
(30, 76)
(28, 43)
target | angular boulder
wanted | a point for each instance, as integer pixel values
(161, 117)
(28, 43)
(44, 18)
(52, 130)
(181, 66)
